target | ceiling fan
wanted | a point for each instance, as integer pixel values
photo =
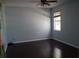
(47, 2)
(44, 2)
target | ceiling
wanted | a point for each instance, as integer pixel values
(30, 3)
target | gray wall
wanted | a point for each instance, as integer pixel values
(25, 23)
(70, 23)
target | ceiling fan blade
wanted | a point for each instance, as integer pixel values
(51, 0)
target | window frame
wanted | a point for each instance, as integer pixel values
(55, 15)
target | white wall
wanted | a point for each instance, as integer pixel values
(70, 23)
(25, 23)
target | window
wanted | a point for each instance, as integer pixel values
(57, 21)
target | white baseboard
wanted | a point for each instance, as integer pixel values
(30, 40)
(46, 39)
(66, 43)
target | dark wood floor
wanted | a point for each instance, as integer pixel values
(41, 49)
